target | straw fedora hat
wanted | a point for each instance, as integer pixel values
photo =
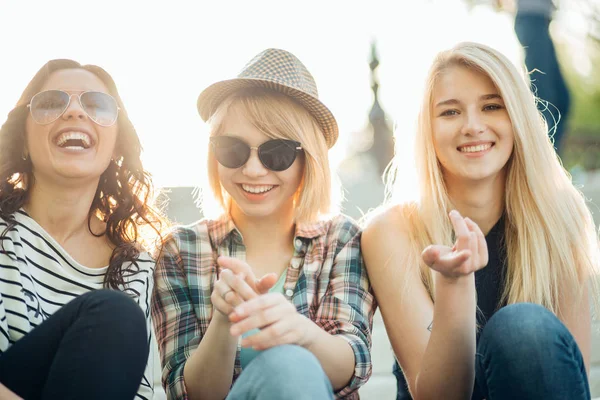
(277, 70)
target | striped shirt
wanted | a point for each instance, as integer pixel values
(326, 281)
(37, 277)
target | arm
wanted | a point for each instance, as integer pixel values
(440, 363)
(6, 394)
(346, 315)
(198, 360)
(576, 315)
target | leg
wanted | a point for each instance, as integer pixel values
(283, 372)
(540, 57)
(95, 347)
(525, 352)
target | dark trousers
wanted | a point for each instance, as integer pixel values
(525, 353)
(547, 80)
(95, 347)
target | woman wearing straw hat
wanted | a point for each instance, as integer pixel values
(483, 280)
(270, 298)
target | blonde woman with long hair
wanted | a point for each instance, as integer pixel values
(269, 299)
(483, 281)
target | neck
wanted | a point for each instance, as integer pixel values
(268, 232)
(62, 211)
(481, 201)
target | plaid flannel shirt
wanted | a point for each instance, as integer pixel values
(326, 281)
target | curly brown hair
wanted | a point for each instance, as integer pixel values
(124, 198)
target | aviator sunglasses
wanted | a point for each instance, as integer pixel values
(275, 155)
(48, 106)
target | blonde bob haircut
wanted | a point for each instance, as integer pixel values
(279, 117)
(551, 243)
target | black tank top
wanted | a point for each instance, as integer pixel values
(489, 285)
(489, 281)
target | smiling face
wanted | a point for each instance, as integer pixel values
(255, 190)
(472, 131)
(73, 147)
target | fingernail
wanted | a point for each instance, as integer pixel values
(454, 213)
(239, 311)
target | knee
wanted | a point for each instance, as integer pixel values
(117, 310)
(293, 362)
(523, 330)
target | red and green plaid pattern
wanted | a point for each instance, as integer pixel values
(326, 281)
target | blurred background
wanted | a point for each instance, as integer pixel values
(369, 59)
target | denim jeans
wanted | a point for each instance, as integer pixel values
(547, 79)
(95, 347)
(525, 352)
(283, 372)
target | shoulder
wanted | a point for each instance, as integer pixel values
(389, 221)
(387, 233)
(184, 235)
(342, 228)
(185, 244)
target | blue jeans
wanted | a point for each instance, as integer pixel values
(533, 34)
(283, 372)
(525, 352)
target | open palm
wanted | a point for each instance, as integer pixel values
(469, 253)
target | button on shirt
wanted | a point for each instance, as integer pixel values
(326, 281)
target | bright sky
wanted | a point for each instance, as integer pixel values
(162, 54)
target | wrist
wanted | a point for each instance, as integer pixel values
(460, 280)
(221, 320)
(311, 335)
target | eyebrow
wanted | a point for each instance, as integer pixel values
(454, 101)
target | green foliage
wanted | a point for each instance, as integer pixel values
(584, 119)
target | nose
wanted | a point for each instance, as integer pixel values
(74, 109)
(474, 124)
(253, 167)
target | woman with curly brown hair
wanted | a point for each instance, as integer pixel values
(74, 201)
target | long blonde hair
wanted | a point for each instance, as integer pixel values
(550, 238)
(279, 117)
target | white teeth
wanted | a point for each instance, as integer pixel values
(64, 137)
(257, 189)
(475, 149)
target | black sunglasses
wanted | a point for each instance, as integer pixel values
(276, 154)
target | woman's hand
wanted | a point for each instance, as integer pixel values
(237, 284)
(260, 286)
(229, 291)
(277, 319)
(469, 253)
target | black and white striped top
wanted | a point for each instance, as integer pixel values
(37, 277)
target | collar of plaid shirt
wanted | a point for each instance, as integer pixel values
(221, 228)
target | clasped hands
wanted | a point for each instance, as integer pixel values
(246, 302)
